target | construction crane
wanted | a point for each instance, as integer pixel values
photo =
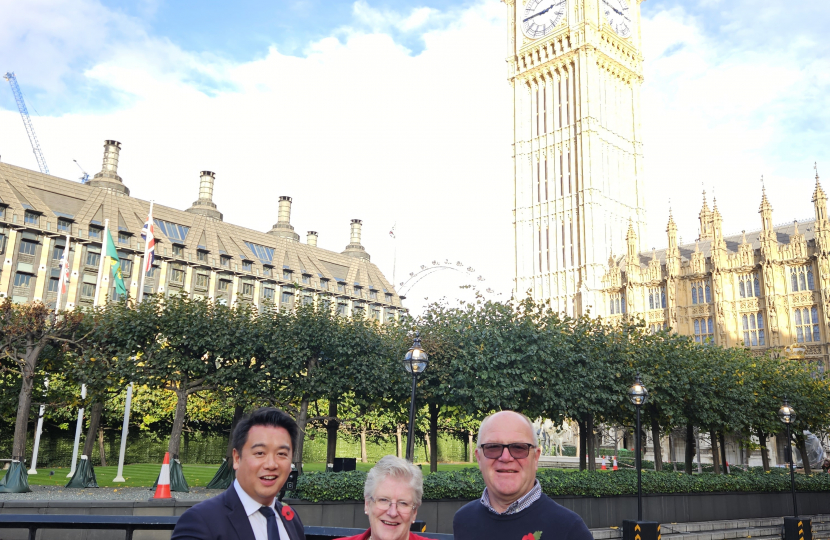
(27, 122)
(85, 178)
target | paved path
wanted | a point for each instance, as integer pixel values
(123, 494)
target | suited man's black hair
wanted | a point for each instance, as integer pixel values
(265, 416)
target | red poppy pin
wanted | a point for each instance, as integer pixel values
(287, 512)
(532, 536)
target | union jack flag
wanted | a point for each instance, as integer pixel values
(64, 270)
(150, 241)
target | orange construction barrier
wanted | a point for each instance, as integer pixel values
(163, 487)
(615, 464)
(604, 468)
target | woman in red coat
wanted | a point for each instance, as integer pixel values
(392, 492)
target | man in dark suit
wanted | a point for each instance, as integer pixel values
(263, 444)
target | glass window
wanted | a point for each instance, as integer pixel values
(268, 293)
(173, 231)
(341, 287)
(753, 325)
(324, 284)
(248, 289)
(22, 280)
(177, 275)
(247, 266)
(286, 275)
(30, 218)
(225, 261)
(373, 295)
(342, 309)
(92, 258)
(64, 225)
(87, 290)
(124, 238)
(286, 297)
(202, 280)
(306, 279)
(224, 284)
(263, 253)
(53, 285)
(27, 247)
(266, 271)
(178, 251)
(57, 252)
(95, 232)
(201, 256)
(704, 330)
(126, 266)
(388, 298)
(801, 278)
(807, 325)
(307, 300)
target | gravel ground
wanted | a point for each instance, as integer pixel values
(127, 494)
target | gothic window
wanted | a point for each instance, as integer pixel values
(806, 325)
(749, 285)
(704, 330)
(657, 328)
(753, 324)
(701, 293)
(656, 298)
(801, 278)
(617, 303)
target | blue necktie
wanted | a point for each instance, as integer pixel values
(271, 516)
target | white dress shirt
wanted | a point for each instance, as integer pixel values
(259, 523)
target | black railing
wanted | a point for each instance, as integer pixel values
(33, 522)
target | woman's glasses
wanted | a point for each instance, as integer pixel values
(517, 450)
(403, 507)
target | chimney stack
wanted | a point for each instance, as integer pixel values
(108, 177)
(283, 226)
(354, 249)
(205, 205)
(311, 239)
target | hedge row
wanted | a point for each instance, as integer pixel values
(468, 483)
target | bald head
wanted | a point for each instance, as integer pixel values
(511, 418)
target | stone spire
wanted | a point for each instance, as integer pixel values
(204, 205)
(820, 204)
(673, 251)
(769, 242)
(108, 177)
(283, 227)
(355, 249)
(705, 220)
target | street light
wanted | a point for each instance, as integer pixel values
(638, 396)
(787, 415)
(415, 363)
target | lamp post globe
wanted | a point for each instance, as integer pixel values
(638, 396)
(415, 362)
(787, 415)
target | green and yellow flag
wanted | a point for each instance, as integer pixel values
(112, 254)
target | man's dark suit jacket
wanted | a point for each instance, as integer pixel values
(223, 518)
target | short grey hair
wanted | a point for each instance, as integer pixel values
(395, 467)
(534, 435)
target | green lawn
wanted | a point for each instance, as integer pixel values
(145, 474)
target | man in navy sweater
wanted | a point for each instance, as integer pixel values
(513, 506)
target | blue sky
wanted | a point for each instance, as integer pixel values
(393, 111)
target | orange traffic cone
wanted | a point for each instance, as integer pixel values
(163, 487)
(604, 468)
(615, 464)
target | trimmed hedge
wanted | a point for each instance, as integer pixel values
(468, 483)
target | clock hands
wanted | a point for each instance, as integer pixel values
(544, 10)
(617, 11)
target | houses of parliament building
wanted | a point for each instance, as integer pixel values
(576, 68)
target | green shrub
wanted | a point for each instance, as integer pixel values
(468, 484)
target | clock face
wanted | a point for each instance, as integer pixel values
(542, 16)
(618, 15)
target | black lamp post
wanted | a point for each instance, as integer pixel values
(416, 363)
(638, 396)
(787, 415)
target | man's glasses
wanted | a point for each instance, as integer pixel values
(383, 504)
(517, 450)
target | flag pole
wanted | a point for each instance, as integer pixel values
(101, 262)
(64, 271)
(39, 429)
(140, 294)
(119, 477)
(77, 433)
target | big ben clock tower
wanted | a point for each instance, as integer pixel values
(576, 70)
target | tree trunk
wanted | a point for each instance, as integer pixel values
(92, 431)
(658, 452)
(332, 426)
(238, 412)
(302, 422)
(364, 457)
(582, 445)
(688, 458)
(802, 447)
(715, 456)
(762, 440)
(723, 459)
(178, 419)
(470, 447)
(101, 450)
(591, 440)
(24, 403)
(434, 409)
(399, 438)
(427, 446)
